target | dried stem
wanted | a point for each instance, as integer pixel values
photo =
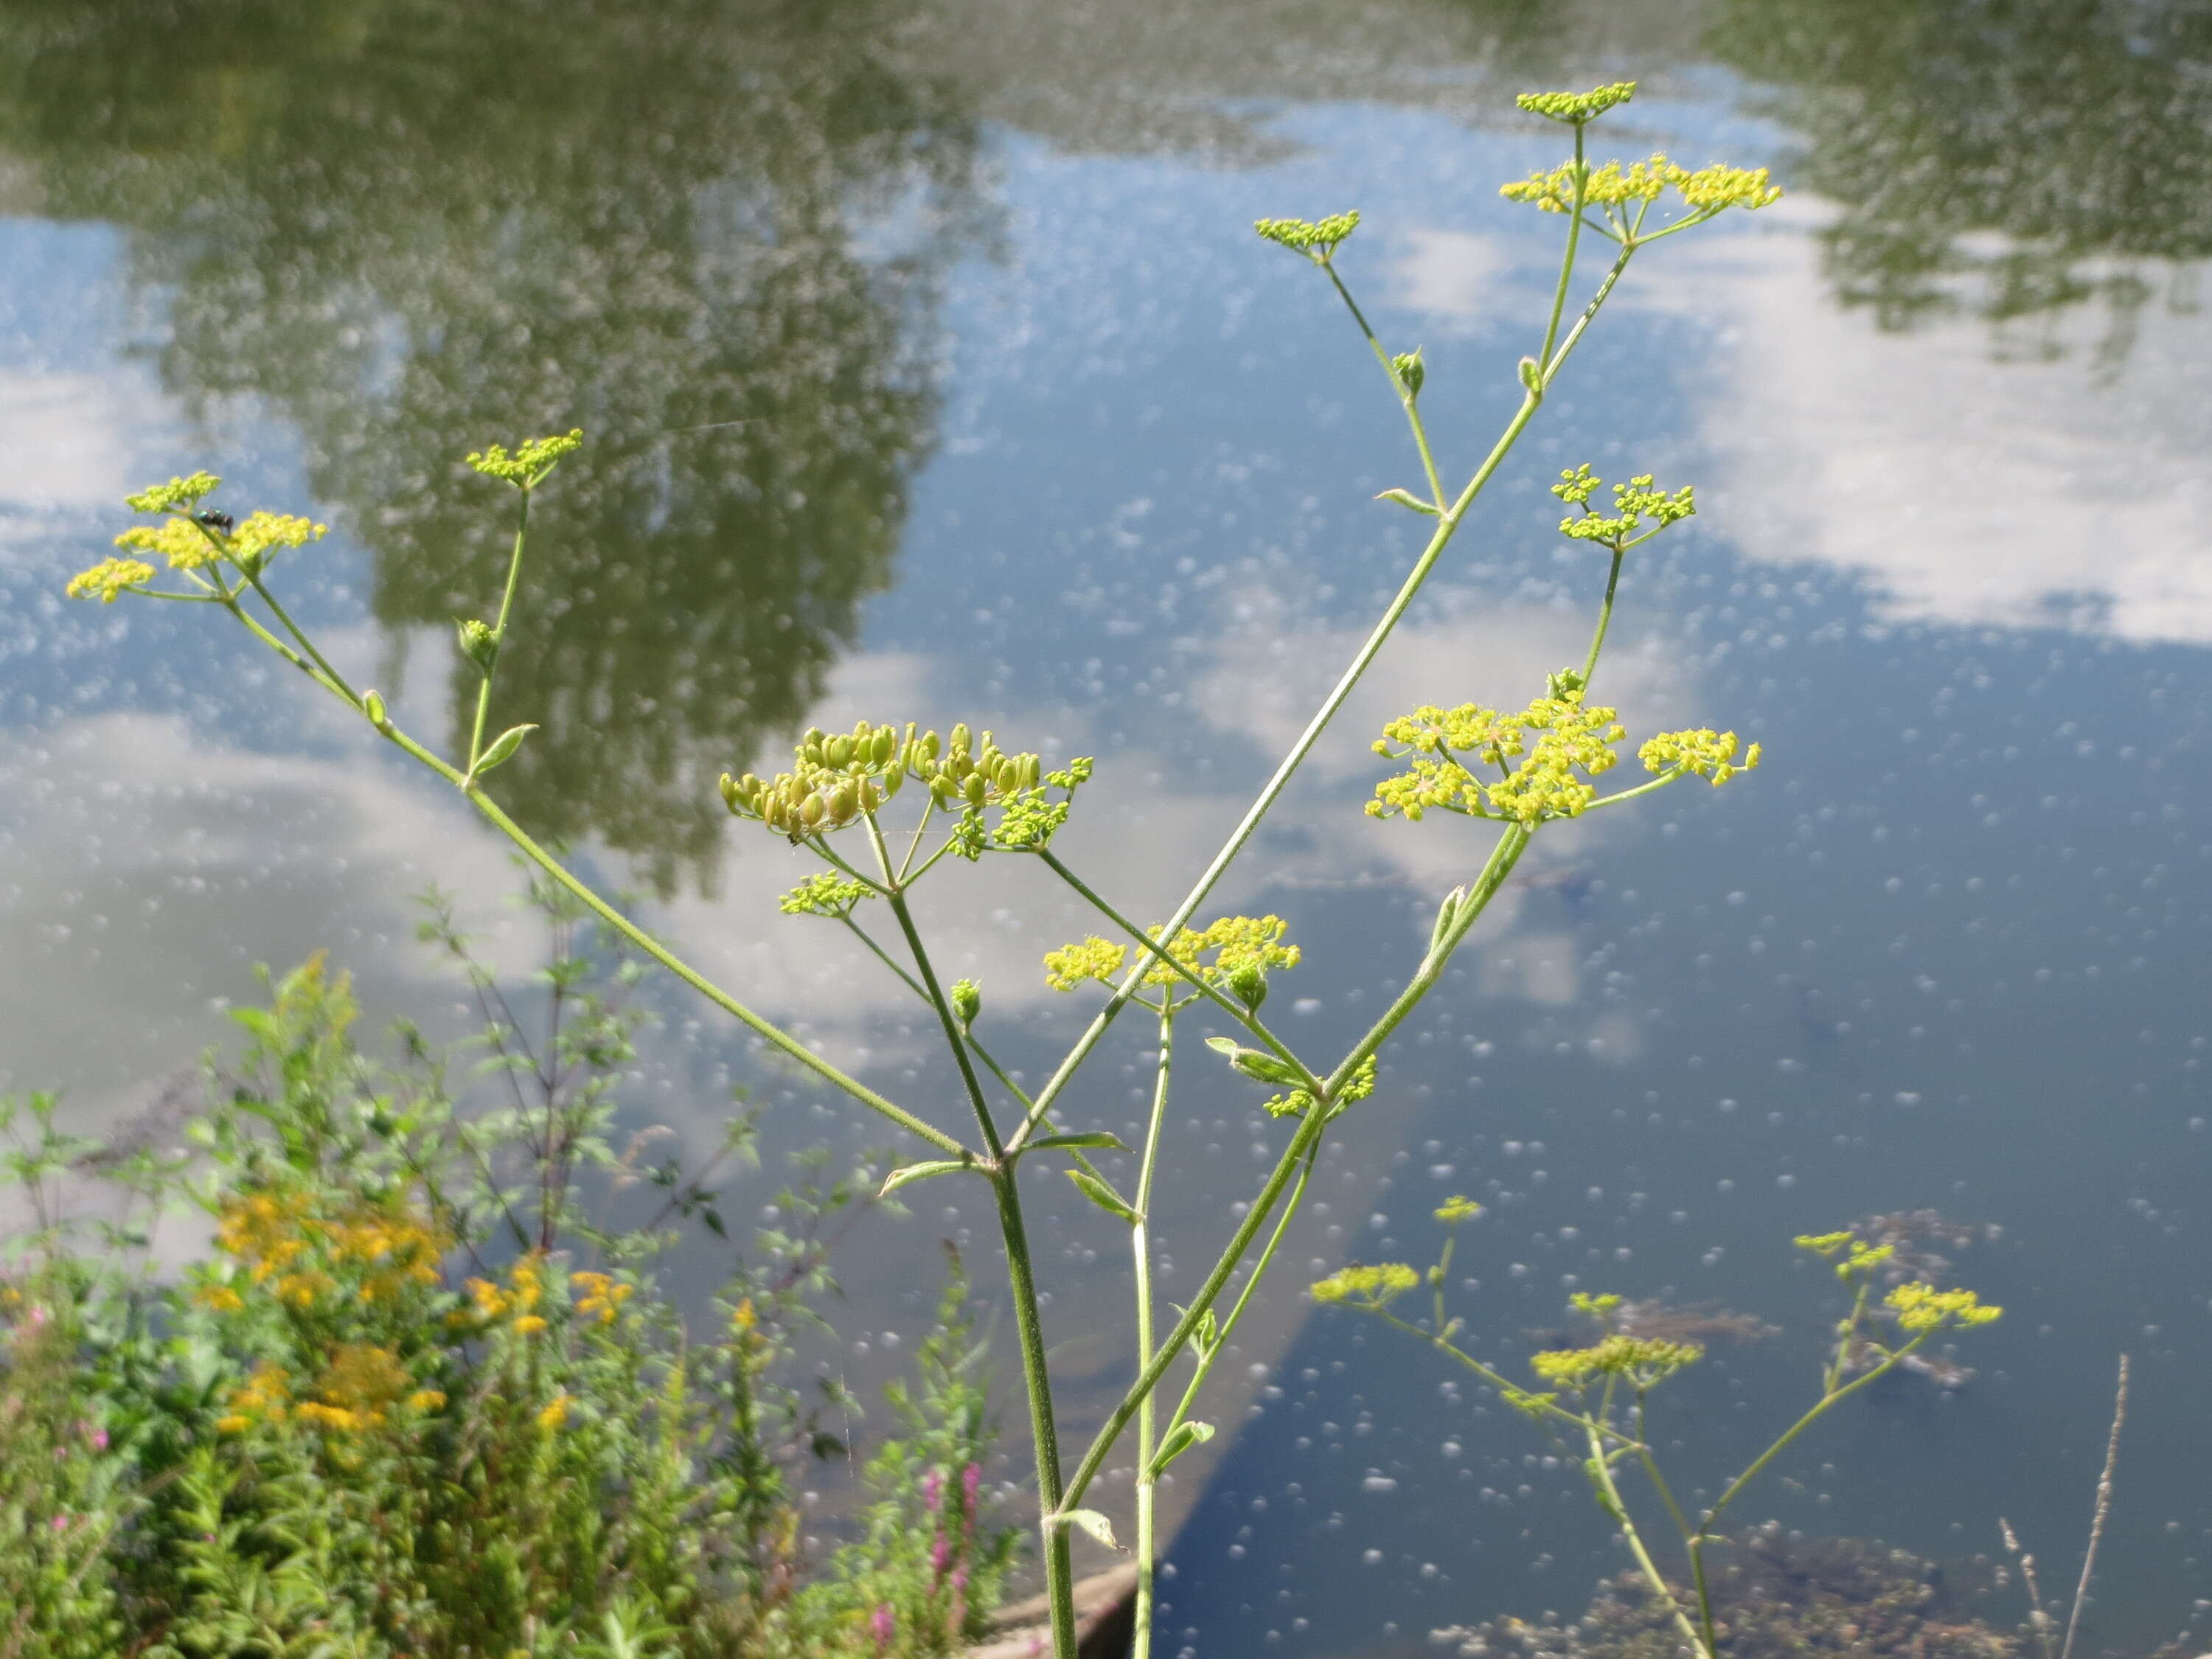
(2103, 1508)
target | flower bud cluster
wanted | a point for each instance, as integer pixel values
(1708, 192)
(1703, 753)
(1576, 107)
(836, 779)
(1317, 241)
(1631, 503)
(833, 783)
(1572, 745)
(1357, 1087)
(825, 895)
(531, 461)
(1642, 1362)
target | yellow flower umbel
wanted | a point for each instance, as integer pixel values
(191, 540)
(1623, 196)
(1225, 953)
(110, 578)
(1364, 1286)
(1560, 743)
(532, 461)
(1921, 1308)
(1641, 1362)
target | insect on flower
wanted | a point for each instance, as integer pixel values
(222, 523)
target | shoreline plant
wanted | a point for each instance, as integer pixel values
(415, 1397)
(1516, 767)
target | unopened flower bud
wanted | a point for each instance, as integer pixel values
(479, 644)
(967, 1000)
(1248, 983)
(975, 789)
(837, 752)
(732, 797)
(372, 704)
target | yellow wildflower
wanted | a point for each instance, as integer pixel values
(555, 1414)
(1642, 1361)
(176, 494)
(1920, 1307)
(1370, 1286)
(532, 459)
(1095, 958)
(110, 578)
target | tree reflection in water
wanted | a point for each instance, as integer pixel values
(712, 235)
(2069, 140)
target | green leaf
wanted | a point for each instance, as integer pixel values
(1103, 1196)
(1255, 1063)
(502, 749)
(936, 1166)
(1092, 1522)
(1102, 1139)
(1185, 1437)
(1407, 498)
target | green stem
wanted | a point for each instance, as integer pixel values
(1236, 1011)
(1601, 1468)
(1036, 1376)
(1259, 1270)
(774, 1035)
(1141, 1642)
(1405, 397)
(337, 680)
(229, 602)
(499, 632)
(1502, 857)
(1567, 265)
(1604, 618)
(1819, 1409)
(945, 1018)
(1308, 1132)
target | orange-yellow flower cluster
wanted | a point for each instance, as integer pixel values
(285, 1242)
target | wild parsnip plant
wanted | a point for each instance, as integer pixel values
(414, 1401)
(883, 807)
(1591, 1399)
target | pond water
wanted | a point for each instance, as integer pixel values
(931, 371)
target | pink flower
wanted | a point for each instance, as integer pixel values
(941, 1552)
(99, 1440)
(883, 1623)
(932, 1488)
(61, 1523)
(970, 1479)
